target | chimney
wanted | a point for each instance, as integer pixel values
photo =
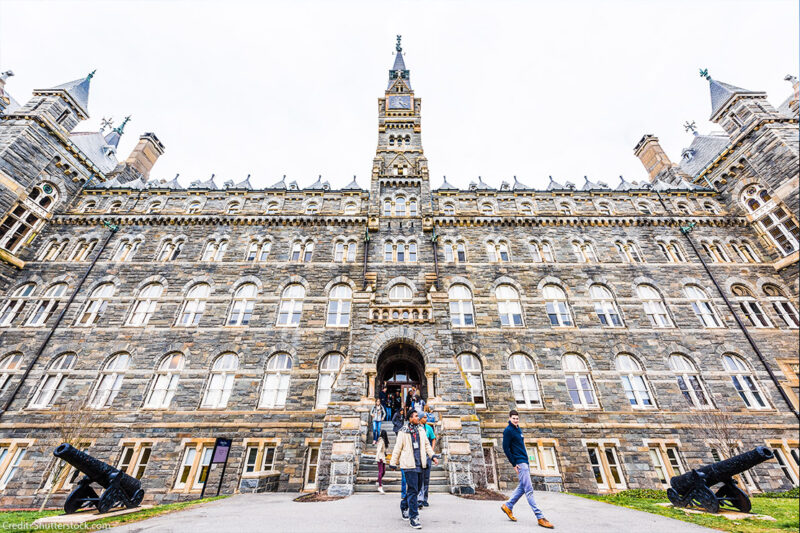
(145, 154)
(652, 156)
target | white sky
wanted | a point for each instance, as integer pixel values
(508, 88)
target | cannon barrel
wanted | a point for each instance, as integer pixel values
(98, 471)
(719, 472)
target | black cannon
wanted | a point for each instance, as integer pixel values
(120, 488)
(694, 488)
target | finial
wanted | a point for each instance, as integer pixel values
(704, 74)
(248, 177)
(212, 176)
(398, 47)
(106, 123)
(121, 127)
(91, 75)
(176, 175)
(690, 126)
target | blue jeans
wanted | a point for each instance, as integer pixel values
(426, 481)
(388, 413)
(402, 486)
(525, 488)
(413, 482)
(376, 429)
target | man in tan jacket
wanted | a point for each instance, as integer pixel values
(412, 451)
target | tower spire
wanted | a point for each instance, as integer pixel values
(399, 70)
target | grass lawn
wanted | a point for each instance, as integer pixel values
(784, 510)
(18, 520)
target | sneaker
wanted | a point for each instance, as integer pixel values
(405, 514)
(508, 512)
(425, 504)
(380, 489)
(415, 523)
(545, 523)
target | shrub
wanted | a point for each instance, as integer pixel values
(644, 494)
(791, 493)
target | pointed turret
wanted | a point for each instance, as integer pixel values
(112, 138)
(723, 93)
(399, 70)
(77, 92)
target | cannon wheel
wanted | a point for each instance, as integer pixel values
(79, 497)
(703, 497)
(733, 496)
(674, 498)
(135, 500)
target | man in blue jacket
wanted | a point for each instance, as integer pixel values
(514, 447)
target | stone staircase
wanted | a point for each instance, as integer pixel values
(368, 470)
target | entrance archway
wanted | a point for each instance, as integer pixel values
(400, 367)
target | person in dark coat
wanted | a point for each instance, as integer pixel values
(398, 420)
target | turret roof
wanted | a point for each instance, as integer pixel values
(722, 93)
(78, 90)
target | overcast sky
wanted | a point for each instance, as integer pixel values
(508, 88)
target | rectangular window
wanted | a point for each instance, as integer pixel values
(11, 455)
(488, 461)
(666, 462)
(787, 457)
(312, 463)
(134, 459)
(194, 467)
(542, 458)
(605, 466)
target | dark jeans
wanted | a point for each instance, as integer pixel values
(413, 484)
(376, 430)
(381, 472)
(426, 481)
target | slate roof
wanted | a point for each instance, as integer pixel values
(518, 185)
(703, 150)
(352, 186)
(78, 90)
(96, 148)
(721, 94)
(319, 185)
(445, 186)
(208, 184)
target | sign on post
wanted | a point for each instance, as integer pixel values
(219, 454)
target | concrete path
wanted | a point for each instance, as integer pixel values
(276, 512)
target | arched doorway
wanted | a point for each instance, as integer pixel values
(400, 367)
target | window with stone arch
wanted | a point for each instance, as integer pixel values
(780, 303)
(683, 207)
(95, 305)
(233, 208)
(194, 305)
(400, 293)
(194, 207)
(47, 305)
(53, 250)
(461, 313)
(26, 219)
(412, 207)
(605, 208)
(115, 206)
(556, 306)
(508, 305)
(387, 207)
(715, 251)
(498, 251)
(169, 249)
(654, 307)
(312, 208)
(291, 306)
(750, 307)
(584, 252)
(165, 381)
(541, 252)
(579, 381)
(351, 208)
(126, 249)
(526, 208)
(634, 382)
(302, 251)
(455, 251)
(276, 381)
(744, 381)
(83, 249)
(53, 382)
(524, 381)
(711, 207)
(220, 382)
(689, 381)
(487, 209)
(644, 208)
(629, 252)
(328, 370)
(339, 301)
(400, 206)
(344, 251)
(214, 250)
(273, 208)
(110, 381)
(672, 252)
(449, 209)
(605, 307)
(14, 306)
(746, 252)
(773, 219)
(155, 207)
(145, 305)
(565, 209)
(10, 366)
(472, 370)
(258, 251)
(702, 307)
(244, 300)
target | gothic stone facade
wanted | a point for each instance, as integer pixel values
(152, 318)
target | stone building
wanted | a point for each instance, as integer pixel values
(623, 321)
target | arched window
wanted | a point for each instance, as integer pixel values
(604, 306)
(412, 252)
(689, 381)
(461, 306)
(110, 381)
(508, 305)
(634, 382)
(604, 208)
(750, 307)
(654, 307)
(220, 383)
(350, 208)
(556, 306)
(52, 250)
(276, 381)
(145, 304)
(449, 209)
(259, 251)
(785, 309)
(47, 305)
(169, 250)
(388, 252)
(233, 208)
(114, 206)
(339, 306)
(125, 250)
(400, 293)
(629, 252)
(15, 304)
(702, 307)
(308, 250)
(498, 251)
(328, 369)
(387, 208)
(400, 206)
(194, 207)
(579, 382)
(684, 208)
(95, 305)
(487, 209)
(541, 252)
(214, 250)
(743, 381)
(194, 305)
(526, 208)
(155, 207)
(412, 208)
(644, 208)
(82, 250)
(711, 207)
(449, 256)
(10, 365)
(242, 306)
(27, 217)
(312, 208)
(716, 252)
(291, 305)
(773, 219)
(565, 209)
(273, 208)
(673, 252)
(461, 252)
(302, 252)
(746, 252)
(473, 373)
(53, 382)
(165, 381)
(523, 381)
(585, 252)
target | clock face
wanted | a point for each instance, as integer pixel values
(400, 101)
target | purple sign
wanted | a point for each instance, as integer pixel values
(222, 447)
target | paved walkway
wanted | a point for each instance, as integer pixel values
(276, 512)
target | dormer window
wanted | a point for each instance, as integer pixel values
(688, 154)
(312, 209)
